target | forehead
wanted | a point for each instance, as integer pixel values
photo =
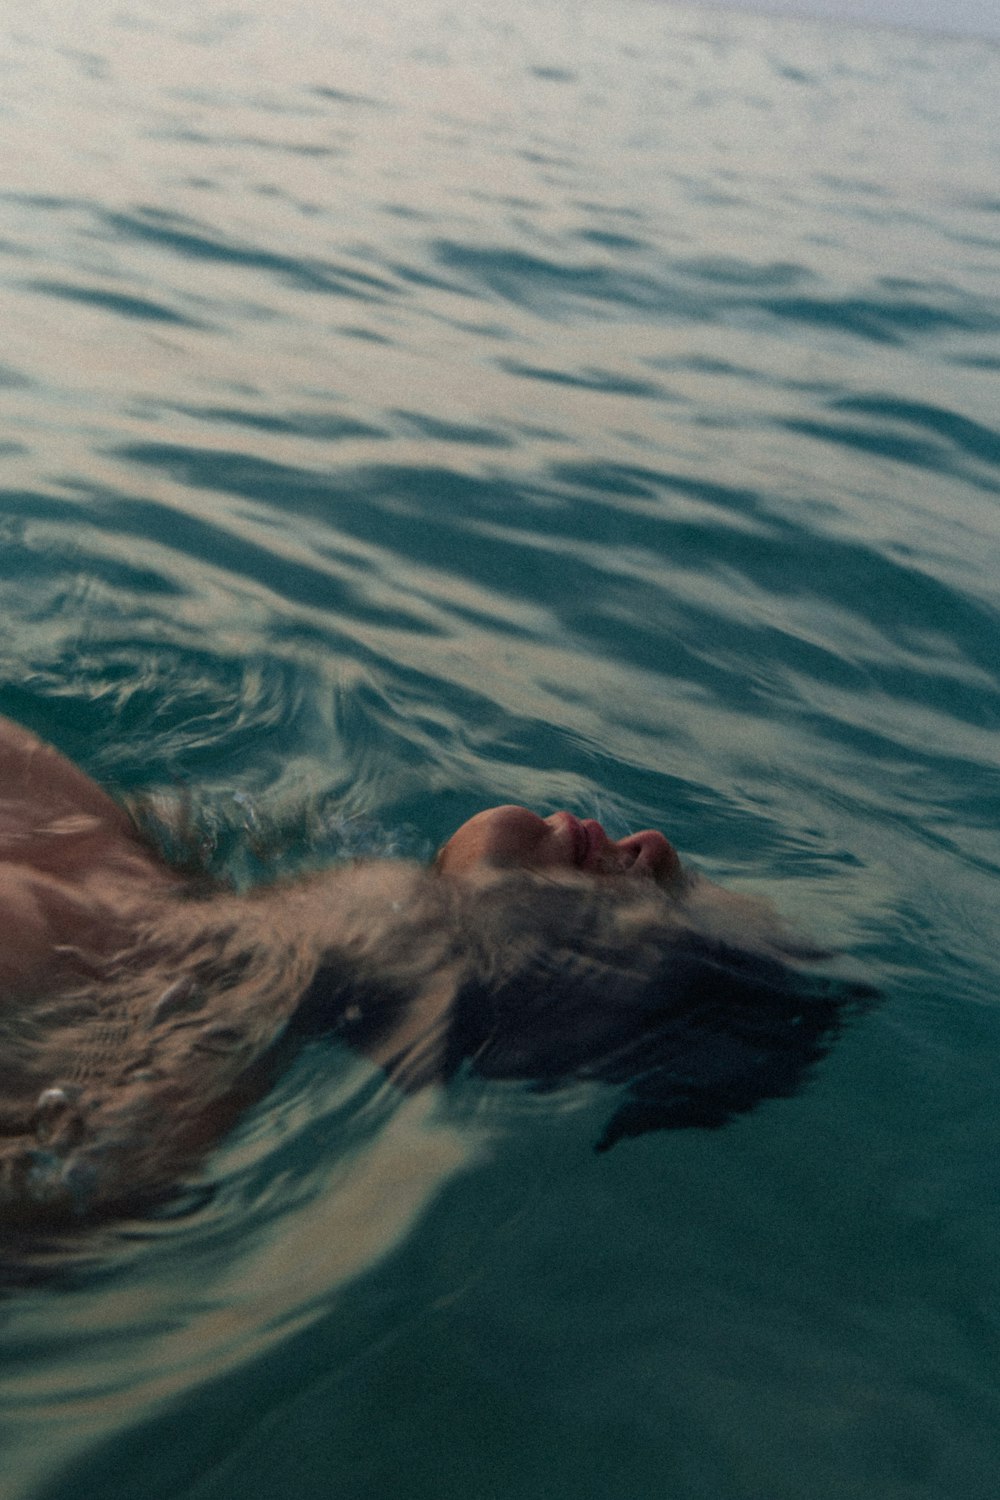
(509, 815)
(507, 829)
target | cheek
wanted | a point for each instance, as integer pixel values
(513, 835)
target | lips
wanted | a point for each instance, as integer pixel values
(579, 842)
(588, 840)
(596, 843)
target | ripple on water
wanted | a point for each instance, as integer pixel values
(408, 412)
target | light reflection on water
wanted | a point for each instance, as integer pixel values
(410, 410)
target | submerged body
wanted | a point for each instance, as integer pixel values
(140, 1011)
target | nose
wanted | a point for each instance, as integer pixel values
(650, 853)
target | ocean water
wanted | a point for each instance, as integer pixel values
(412, 408)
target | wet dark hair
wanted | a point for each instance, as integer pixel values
(689, 1004)
(708, 1037)
(546, 982)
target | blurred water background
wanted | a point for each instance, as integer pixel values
(408, 408)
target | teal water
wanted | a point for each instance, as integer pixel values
(589, 407)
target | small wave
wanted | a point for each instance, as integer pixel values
(119, 303)
(192, 239)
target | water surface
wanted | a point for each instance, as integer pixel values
(420, 409)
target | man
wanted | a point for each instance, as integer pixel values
(140, 1012)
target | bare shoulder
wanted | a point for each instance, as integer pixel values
(43, 793)
(72, 866)
(33, 915)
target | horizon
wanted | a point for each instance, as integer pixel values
(973, 19)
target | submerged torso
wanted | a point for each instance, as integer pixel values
(139, 1012)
